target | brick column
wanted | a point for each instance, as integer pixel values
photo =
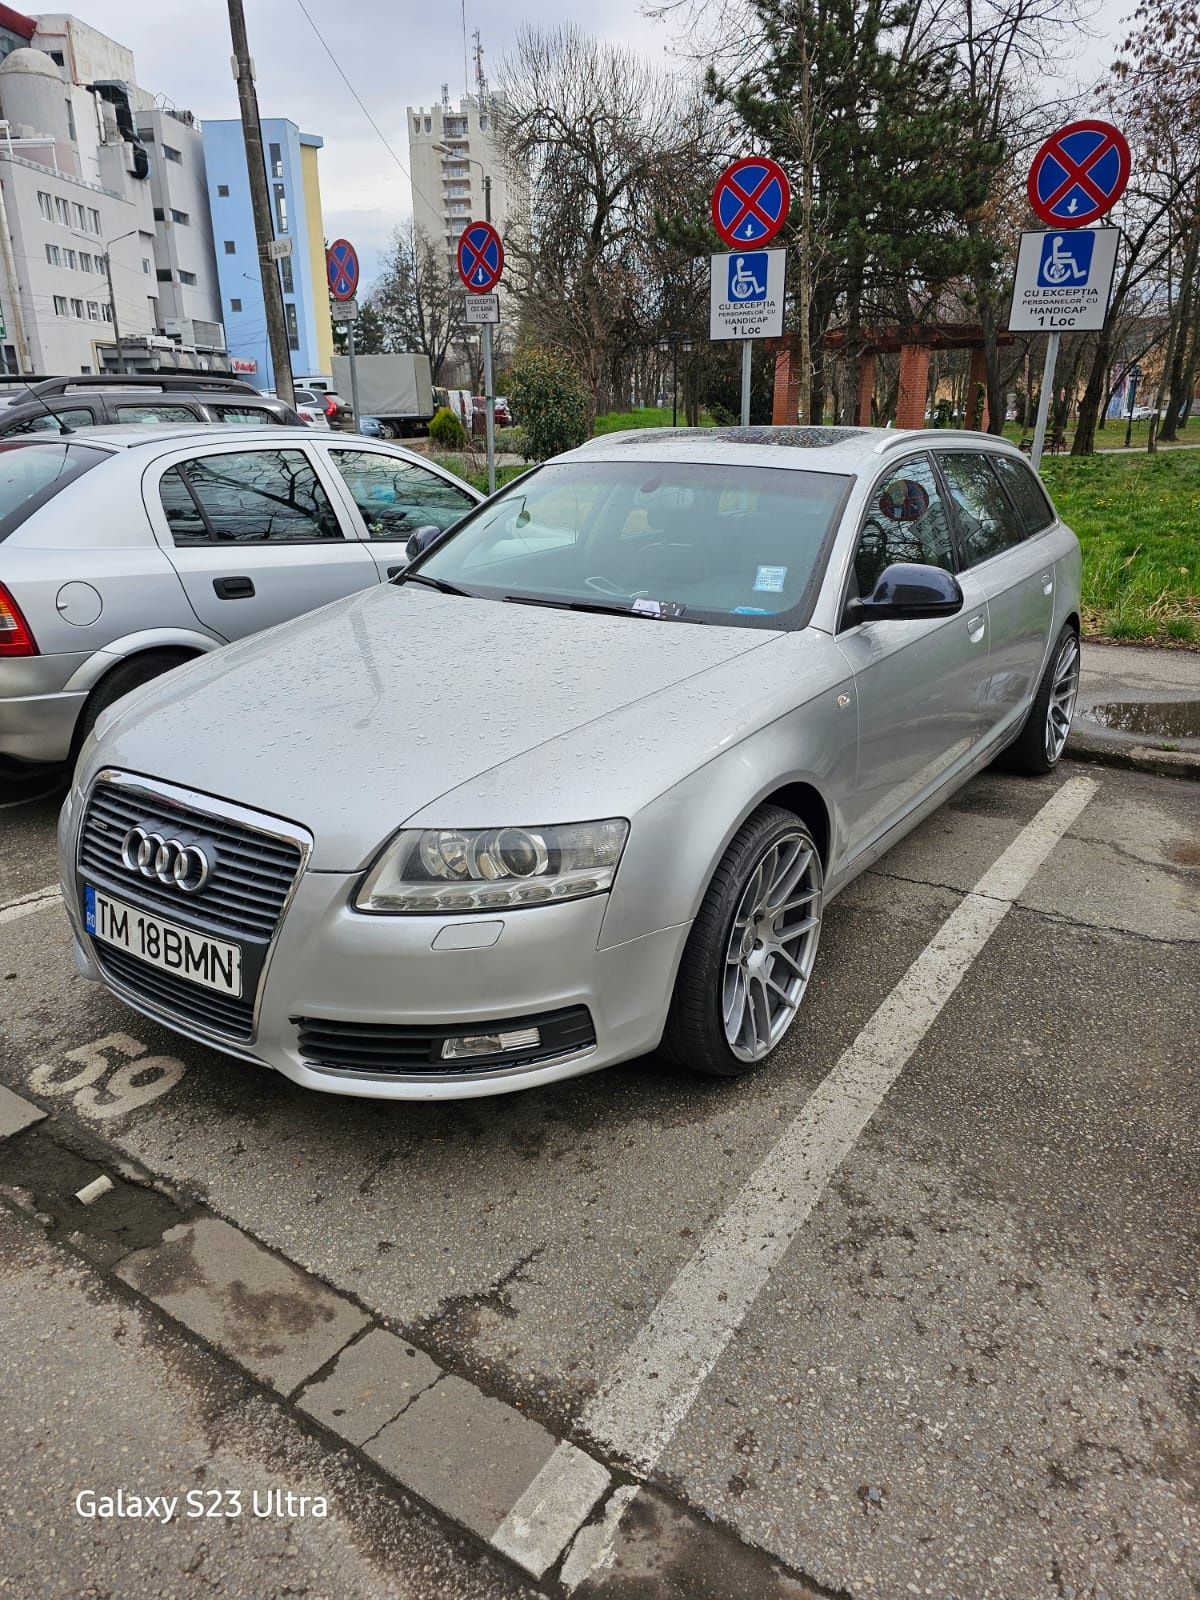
(785, 399)
(977, 391)
(914, 386)
(866, 389)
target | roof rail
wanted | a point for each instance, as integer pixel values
(84, 382)
(893, 438)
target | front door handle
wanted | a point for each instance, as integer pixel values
(975, 627)
(233, 588)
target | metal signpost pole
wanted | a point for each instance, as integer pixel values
(350, 351)
(747, 357)
(1039, 432)
(489, 391)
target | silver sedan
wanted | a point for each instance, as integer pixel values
(579, 783)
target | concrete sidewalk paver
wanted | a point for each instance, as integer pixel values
(371, 1383)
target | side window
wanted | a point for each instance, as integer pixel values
(243, 416)
(183, 518)
(155, 413)
(985, 515)
(1033, 508)
(44, 422)
(905, 521)
(261, 496)
(395, 496)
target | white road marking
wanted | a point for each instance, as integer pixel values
(546, 1517)
(134, 1082)
(39, 900)
(660, 1375)
(593, 1549)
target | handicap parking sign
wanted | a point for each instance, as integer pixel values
(1066, 259)
(748, 277)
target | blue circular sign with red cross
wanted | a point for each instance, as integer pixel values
(341, 265)
(1079, 174)
(750, 202)
(480, 257)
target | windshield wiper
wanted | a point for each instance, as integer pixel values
(591, 605)
(439, 584)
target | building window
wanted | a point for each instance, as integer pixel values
(57, 57)
(77, 309)
(293, 326)
(281, 208)
(85, 261)
(62, 210)
(285, 276)
(223, 191)
(172, 154)
(93, 311)
(159, 214)
(10, 359)
(94, 222)
(60, 305)
(230, 247)
(416, 124)
(276, 155)
(179, 216)
(70, 120)
(45, 205)
(145, 265)
(235, 305)
(483, 124)
(106, 311)
(163, 274)
(187, 277)
(146, 135)
(72, 260)
(52, 255)
(80, 217)
(428, 125)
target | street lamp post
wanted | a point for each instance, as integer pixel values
(674, 341)
(1134, 374)
(112, 297)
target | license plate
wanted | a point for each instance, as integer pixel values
(211, 963)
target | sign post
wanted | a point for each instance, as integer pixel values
(341, 266)
(1064, 278)
(749, 207)
(480, 263)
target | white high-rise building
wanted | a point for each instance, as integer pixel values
(451, 150)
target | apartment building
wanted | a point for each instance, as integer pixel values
(451, 150)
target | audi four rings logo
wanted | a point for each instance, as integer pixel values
(184, 865)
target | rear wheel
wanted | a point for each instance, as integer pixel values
(123, 680)
(389, 430)
(1039, 747)
(751, 950)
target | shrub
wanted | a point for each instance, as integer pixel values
(513, 441)
(550, 401)
(445, 429)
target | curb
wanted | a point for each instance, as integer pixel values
(1133, 757)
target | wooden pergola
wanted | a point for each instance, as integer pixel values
(915, 344)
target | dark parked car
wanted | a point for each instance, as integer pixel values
(129, 397)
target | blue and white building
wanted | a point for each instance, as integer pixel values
(295, 193)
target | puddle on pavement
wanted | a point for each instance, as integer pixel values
(1164, 719)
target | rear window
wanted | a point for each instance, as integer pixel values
(51, 421)
(244, 416)
(32, 473)
(1033, 508)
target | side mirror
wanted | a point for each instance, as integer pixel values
(421, 538)
(907, 591)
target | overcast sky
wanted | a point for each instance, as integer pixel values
(395, 52)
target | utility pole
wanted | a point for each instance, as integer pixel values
(112, 300)
(243, 71)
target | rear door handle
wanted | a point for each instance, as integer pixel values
(1047, 583)
(975, 626)
(233, 588)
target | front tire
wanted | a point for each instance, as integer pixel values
(122, 680)
(750, 953)
(1041, 742)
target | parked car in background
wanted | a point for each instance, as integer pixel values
(123, 551)
(334, 409)
(52, 404)
(311, 409)
(370, 427)
(479, 411)
(580, 784)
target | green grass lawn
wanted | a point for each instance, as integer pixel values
(462, 467)
(1138, 520)
(1112, 435)
(644, 417)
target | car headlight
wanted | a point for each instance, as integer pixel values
(490, 869)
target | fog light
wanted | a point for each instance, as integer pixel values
(489, 1044)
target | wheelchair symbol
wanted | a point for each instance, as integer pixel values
(743, 282)
(1061, 263)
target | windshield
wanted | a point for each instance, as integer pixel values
(684, 541)
(31, 473)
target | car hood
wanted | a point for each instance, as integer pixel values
(352, 718)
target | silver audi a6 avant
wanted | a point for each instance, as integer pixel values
(581, 780)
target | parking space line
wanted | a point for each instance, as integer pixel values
(26, 904)
(652, 1389)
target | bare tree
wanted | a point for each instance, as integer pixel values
(418, 302)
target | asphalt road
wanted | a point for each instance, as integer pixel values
(965, 1367)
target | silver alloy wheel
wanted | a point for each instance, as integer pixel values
(772, 946)
(1064, 686)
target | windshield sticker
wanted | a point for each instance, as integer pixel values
(657, 608)
(770, 579)
(750, 611)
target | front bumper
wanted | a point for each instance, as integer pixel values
(338, 966)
